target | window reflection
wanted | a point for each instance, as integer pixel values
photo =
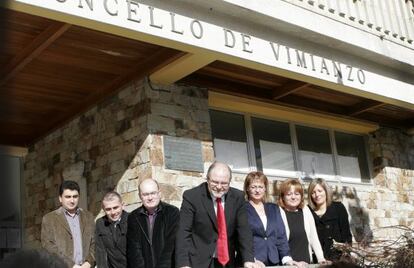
(315, 152)
(230, 142)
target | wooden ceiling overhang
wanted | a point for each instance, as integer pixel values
(53, 71)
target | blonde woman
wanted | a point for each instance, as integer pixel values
(299, 223)
(331, 218)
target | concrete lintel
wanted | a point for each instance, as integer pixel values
(13, 150)
(181, 67)
(234, 103)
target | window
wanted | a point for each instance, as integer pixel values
(272, 146)
(230, 140)
(315, 154)
(10, 217)
(288, 149)
(352, 157)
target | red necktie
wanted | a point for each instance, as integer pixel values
(222, 247)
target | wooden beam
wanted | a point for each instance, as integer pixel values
(364, 106)
(32, 50)
(385, 121)
(159, 59)
(221, 84)
(313, 104)
(241, 74)
(289, 88)
(182, 67)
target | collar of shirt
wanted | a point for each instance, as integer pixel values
(151, 214)
(223, 199)
(77, 212)
(144, 211)
(116, 223)
(223, 202)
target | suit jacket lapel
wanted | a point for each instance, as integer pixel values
(208, 205)
(143, 225)
(269, 215)
(62, 219)
(123, 227)
(229, 201)
(256, 219)
(82, 222)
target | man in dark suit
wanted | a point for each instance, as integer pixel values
(110, 233)
(200, 235)
(151, 230)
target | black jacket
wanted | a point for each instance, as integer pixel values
(197, 235)
(110, 253)
(333, 225)
(158, 253)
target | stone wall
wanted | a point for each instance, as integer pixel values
(391, 148)
(114, 145)
(178, 111)
(120, 141)
(94, 149)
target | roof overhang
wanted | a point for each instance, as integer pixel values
(65, 57)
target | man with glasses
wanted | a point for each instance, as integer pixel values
(151, 230)
(213, 224)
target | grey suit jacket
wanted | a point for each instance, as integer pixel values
(56, 236)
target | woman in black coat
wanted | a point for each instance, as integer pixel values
(331, 218)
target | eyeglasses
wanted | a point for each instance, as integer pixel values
(155, 193)
(257, 187)
(218, 183)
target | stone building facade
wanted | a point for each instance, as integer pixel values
(118, 142)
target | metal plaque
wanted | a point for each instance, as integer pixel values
(183, 154)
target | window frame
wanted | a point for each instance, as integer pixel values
(298, 173)
(19, 153)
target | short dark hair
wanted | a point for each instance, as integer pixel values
(68, 185)
(111, 195)
(34, 258)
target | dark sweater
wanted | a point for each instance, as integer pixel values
(333, 225)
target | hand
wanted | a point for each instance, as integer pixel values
(86, 265)
(259, 264)
(299, 264)
(76, 266)
(325, 262)
(249, 264)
